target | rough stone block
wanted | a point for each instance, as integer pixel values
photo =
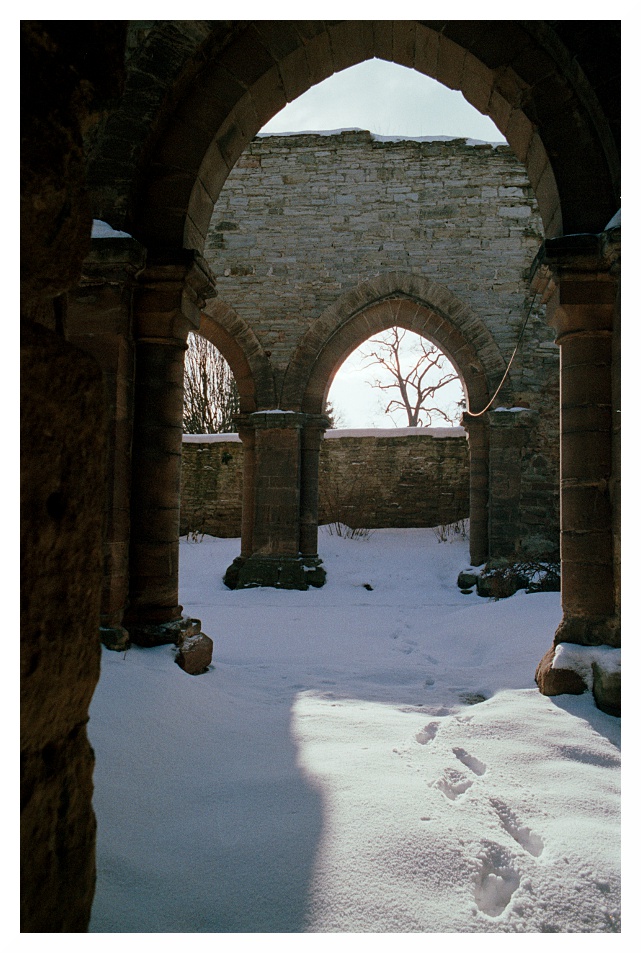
(195, 653)
(557, 681)
(606, 688)
(467, 580)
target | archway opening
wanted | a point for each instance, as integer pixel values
(293, 227)
(211, 397)
(397, 378)
(388, 99)
(394, 400)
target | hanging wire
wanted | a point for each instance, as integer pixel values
(507, 369)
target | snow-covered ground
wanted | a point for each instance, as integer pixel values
(357, 761)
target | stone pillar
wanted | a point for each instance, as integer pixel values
(166, 308)
(477, 435)
(99, 321)
(311, 439)
(247, 435)
(585, 268)
(280, 487)
(62, 471)
(508, 434)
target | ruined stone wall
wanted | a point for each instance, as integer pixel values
(403, 478)
(303, 218)
(211, 485)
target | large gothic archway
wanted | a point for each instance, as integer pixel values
(227, 81)
(431, 310)
(242, 350)
(195, 94)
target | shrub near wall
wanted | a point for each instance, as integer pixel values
(408, 477)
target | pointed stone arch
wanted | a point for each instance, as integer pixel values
(240, 347)
(395, 298)
(431, 310)
(230, 78)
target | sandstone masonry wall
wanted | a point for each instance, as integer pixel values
(367, 479)
(303, 219)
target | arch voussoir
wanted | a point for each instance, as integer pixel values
(240, 347)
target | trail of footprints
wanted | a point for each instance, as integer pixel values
(497, 879)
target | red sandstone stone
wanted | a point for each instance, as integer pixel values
(195, 653)
(557, 681)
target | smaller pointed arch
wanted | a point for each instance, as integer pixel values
(393, 299)
(240, 347)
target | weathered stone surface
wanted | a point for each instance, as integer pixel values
(460, 216)
(68, 67)
(498, 586)
(467, 580)
(557, 681)
(404, 480)
(62, 480)
(280, 572)
(165, 633)
(115, 638)
(195, 653)
(606, 688)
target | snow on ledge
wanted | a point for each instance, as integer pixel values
(100, 229)
(438, 432)
(615, 221)
(376, 137)
(510, 410)
(579, 659)
(211, 438)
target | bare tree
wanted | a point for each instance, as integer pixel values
(211, 397)
(413, 374)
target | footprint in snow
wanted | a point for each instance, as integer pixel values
(496, 881)
(470, 761)
(427, 734)
(524, 836)
(453, 784)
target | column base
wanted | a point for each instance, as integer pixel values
(278, 572)
(602, 680)
(115, 638)
(163, 633)
(589, 631)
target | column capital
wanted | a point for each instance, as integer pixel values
(282, 420)
(173, 288)
(113, 260)
(578, 277)
(576, 259)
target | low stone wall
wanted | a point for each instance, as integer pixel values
(368, 478)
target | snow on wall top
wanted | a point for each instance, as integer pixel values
(379, 138)
(100, 229)
(437, 432)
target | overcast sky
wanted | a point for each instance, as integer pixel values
(386, 99)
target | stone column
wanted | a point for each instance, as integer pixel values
(166, 308)
(278, 460)
(99, 321)
(247, 435)
(311, 439)
(508, 435)
(585, 268)
(477, 435)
